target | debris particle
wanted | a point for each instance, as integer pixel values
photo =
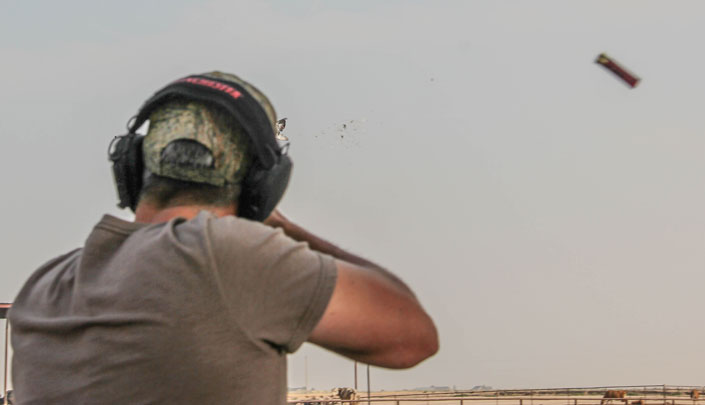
(281, 124)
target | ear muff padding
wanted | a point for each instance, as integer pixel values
(128, 168)
(263, 189)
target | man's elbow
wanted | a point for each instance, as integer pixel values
(421, 353)
(419, 348)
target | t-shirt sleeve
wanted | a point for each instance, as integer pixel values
(275, 288)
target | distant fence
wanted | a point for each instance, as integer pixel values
(656, 389)
(438, 400)
(636, 395)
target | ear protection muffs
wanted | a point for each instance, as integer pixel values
(128, 167)
(265, 182)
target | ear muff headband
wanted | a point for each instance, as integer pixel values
(228, 95)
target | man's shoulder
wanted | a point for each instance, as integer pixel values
(231, 228)
(47, 276)
(58, 262)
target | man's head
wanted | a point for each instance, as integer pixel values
(196, 152)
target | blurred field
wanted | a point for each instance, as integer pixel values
(641, 395)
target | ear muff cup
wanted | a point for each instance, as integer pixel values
(128, 168)
(262, 189)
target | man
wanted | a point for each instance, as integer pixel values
(194, 302)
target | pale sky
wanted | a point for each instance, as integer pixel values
(549, 218)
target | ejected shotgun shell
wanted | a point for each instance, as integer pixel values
(623, 73)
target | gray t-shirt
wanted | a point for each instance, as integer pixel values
(191, 312)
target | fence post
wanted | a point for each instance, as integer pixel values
(4, 308)
(4, 385)
(368, 385)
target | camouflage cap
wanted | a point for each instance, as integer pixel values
(195, 121)
(254, 91)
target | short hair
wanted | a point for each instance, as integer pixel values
(164, 192)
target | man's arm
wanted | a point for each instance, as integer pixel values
(372, 316)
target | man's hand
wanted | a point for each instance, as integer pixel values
(276, 219)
